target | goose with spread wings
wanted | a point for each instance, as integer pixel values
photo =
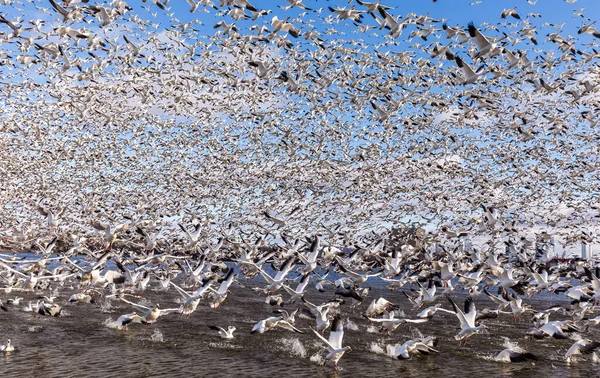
(467, 320)
(334, 343)
(390, 323)
(224, 333)
(191, 301)
(152, 313)
(223, 291)
(272, 322)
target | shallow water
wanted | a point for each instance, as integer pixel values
(79, 343)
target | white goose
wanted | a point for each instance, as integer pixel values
(467, 320)
(416, 346)
(152, 313)
(483, 44)
(390, 323)
(226, 334)
(191, 301)
(470, 76)
(223, 291)
(8, 347)
(275, 283)
(584, 346)
(300, 289)
(334, 344)
(122, 323)
(272, 322)
(515, 354)
(310, 262)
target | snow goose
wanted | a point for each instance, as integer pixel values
(48, 309)
(510, 12)
(334, 344)
(226, 334)
(427, 295)
(285, 26)
(8, 347)
(483, 44)
(321, 312)
(390, 323)
(372, 7)
(515, 354)
(555, 329)
(81, 298)
(150, 239)
(378, 306)
(152, 313)
(193, 237)
(123, 321)
(467, 320)
(110, 232)
(516, 304)
(432, 310)
(589, 29)
(52, 218)
(275, 283)
(470, 76)
(223, 291)
(356, 277)
(290, 318)
(300, 289)
(272, 322)
(394, 25)
(584, 346)
(416, 346)
(191, 301)
(310, 261)
(351, 13)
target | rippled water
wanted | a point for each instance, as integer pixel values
(80, 344)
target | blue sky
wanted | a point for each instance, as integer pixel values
(455, 11)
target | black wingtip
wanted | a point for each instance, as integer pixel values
(337, 324)
(472, 29)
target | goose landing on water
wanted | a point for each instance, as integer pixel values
(272, 322)
(334, 344)
(515, 354)
(422, 346)
(584, 346)
(467, 320)
(226, 334)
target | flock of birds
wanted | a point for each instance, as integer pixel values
(352, 115)
(299, 138)
(288, 273)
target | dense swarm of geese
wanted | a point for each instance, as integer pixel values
(141, 151)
